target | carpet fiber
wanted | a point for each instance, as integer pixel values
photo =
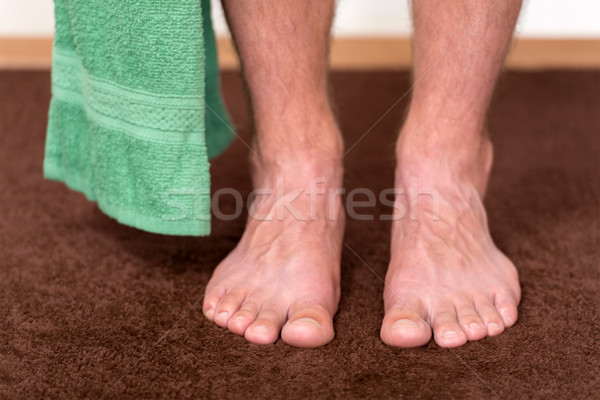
(90, 308)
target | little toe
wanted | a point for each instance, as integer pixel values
(265, 329)
(308, 326)
(405, 327)
(490, 316)
(507, 307)
(471, 322)
(446, 329)
(212, 297)
(246, 315)
(228, 306)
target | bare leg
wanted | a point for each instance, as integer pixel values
(447, 275)
(283, 276)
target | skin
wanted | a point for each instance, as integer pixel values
(446, 277)
(284, 275)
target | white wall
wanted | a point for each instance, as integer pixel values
(540, 18)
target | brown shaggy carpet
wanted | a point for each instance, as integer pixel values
(93, 309)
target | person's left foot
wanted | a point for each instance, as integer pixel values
(446, 274)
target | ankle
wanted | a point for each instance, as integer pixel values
(307, 143)
(299, 167)
(435, 159)
(306, 152)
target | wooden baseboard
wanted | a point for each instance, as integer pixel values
(352, 53)
(25, 53)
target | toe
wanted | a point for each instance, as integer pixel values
(265, 329)
(405, 326)
(446, 329)
(470, 321)
(490, 316)
(212, 297)
(308, 325)
(228, 306)
(246, 315)
(507, 307)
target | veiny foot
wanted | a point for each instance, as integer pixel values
(445, 275)
(284, 275)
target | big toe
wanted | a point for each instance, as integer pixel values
(404, 328)
(308, 327)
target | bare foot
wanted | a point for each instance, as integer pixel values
(445, 273)
(284, 275)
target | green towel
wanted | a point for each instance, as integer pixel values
(136, 110)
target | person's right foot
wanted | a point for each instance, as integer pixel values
(284, 274)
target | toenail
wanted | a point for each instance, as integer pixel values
(492, 326)
(223, 315)
(238, 318)
(307, 321)
(450, 334)
(405, 323)
(474, 325)
(260, 329)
